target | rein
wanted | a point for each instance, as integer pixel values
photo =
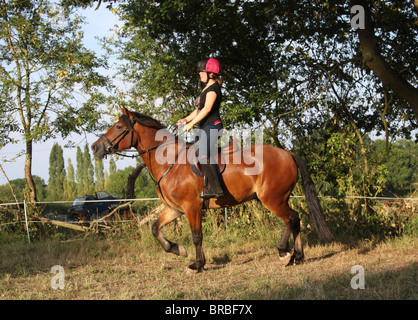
(157, 183)
(140, 152)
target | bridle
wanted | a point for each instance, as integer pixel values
(113, 145)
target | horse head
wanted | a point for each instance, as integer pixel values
(120, 136)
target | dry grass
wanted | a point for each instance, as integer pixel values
(126, 269)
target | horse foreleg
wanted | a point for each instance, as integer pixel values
(167, 216)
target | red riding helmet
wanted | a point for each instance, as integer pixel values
(210, 65)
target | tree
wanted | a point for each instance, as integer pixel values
(99, 174)
(88, 171)
(7, 126)
(254, 38)
(369, 45)
(144, 186)
(80, 172)
(117, 182)
(44, 70)
(20, 187)
(402, 164)
(112, 166)
(70, 186)
(57, 174)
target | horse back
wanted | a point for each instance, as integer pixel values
(262, 168)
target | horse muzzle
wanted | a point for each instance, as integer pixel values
(99, 149)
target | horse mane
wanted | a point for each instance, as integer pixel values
(147, 121)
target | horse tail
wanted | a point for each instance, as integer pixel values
(312, 199)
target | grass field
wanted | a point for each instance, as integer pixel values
(136, 267)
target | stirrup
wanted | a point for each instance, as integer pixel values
(207, 195)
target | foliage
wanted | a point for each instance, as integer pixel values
(80, 171)
(294, 69)
(45, 69)
(99, 174)
(70, 184)
(88, 172)
(402, 167)
(57, 174)
(19, 187)
(85, 171)
(282, 61)
(144, 187)
(252, 222)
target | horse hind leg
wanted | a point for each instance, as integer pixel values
(292, 226)
(298, 255)
(167, 216)
(283, 246)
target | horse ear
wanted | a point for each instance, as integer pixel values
(125, 111)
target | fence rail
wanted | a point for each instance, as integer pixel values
(86, 201)
(155, 199)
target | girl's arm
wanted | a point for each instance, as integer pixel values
(191, 116)
(186, 120)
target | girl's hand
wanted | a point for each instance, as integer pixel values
(181, 122)
(189, 126)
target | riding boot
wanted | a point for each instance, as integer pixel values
(212, 182)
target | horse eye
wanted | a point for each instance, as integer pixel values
(118, 127)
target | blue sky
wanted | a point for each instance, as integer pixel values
(98, 24)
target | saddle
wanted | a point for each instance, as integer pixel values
(230, 148)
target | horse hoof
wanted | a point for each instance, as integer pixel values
(190, 271)
(287, 259)
(182, 251)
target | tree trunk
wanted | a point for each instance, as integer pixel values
(28, 173)
(377, 63)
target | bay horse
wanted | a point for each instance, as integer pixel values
(179, 187)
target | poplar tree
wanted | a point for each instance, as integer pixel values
(112, 166)
(106, 179)
(70, 186)
(80, 173)
(109, 176)
(99, 173)
(56, 173)
(88, 171)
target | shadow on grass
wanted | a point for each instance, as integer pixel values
(398, 284)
